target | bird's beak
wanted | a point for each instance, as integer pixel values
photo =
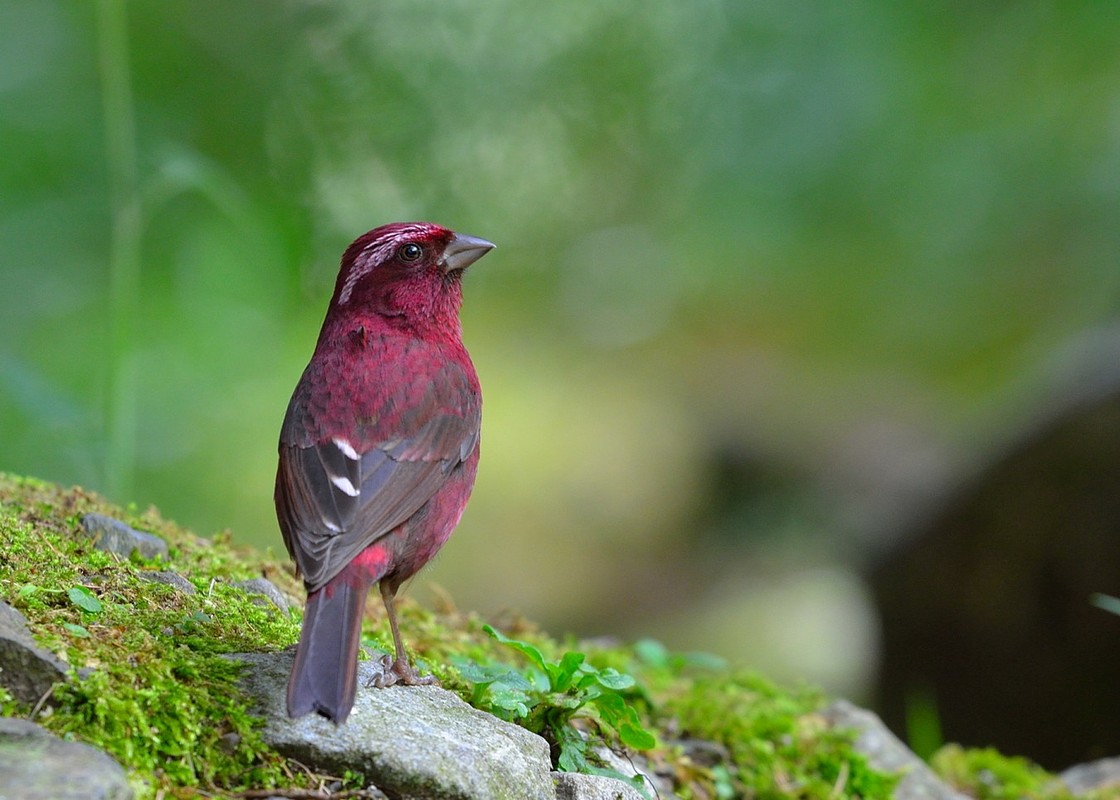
(462, 251)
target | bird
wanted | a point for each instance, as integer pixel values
(378, 449)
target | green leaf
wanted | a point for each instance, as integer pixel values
(572, 750)
(28, 589)
(486, 674)
(567, 702)
(589, 681)
(637, 781)
(636, 736)
(571, 760)
(77, 630)
(655, 654)
(613, 679)
(612, 708)
(82, 598)
(539, 680)
(652, 652)
(515, 703)
(474, 672)
(701, 660)
(560, 675)
(526, 649)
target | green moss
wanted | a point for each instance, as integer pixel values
(778, 745)
(156, 693)
(988, 775)
(8, 705)
(150, 684)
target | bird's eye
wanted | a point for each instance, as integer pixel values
(410, 251)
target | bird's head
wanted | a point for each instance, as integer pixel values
(407, 272)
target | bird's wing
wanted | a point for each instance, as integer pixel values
(335, 496)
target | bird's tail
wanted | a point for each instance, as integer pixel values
(324, 676)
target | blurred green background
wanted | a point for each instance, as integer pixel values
(766, 271)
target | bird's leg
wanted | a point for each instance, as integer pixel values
(397, 670)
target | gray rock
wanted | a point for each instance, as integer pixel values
(114, 536)
(573, 786)
(26, 670)
(886, 753)
(35, 765)
(172, 579)
(265, 589)
(413, 742)
(1084, 778)
(635, 765)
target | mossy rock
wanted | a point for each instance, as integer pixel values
(150, 683)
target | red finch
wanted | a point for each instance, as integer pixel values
(379, 448)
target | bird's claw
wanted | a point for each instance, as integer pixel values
(391, 671)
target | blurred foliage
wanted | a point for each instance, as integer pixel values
(730, 235)
(986, 774)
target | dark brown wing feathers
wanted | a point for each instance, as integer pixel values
(339, 490)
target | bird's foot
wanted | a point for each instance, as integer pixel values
(392, 671)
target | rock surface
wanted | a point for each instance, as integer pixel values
(172, 579)
(570, 786)
(113, 536)
(1094, 776)
(26, 670)
(36, 765)
(633, 765)
(413, 742)
(265, 591)
(886, 753)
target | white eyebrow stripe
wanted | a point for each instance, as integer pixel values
(370, 257)
(346, 448)
(344, 485)
(376, 252)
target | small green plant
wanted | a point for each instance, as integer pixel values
(84, 599)
(559, 700)
(79, 596)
